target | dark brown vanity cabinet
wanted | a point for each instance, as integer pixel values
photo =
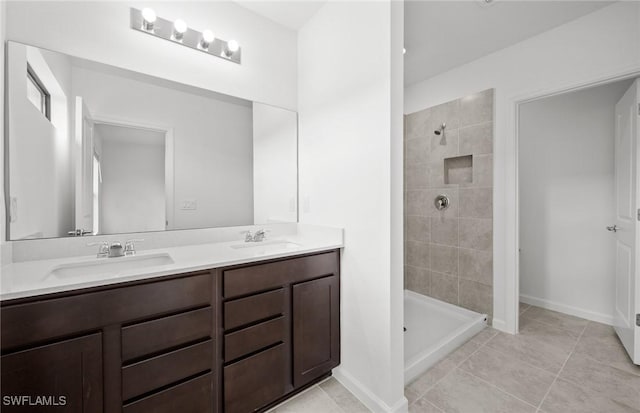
(316, 328)
(233, 340)
(281, 328)
(142, 347)
(65, 376)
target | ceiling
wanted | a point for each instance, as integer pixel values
(292, 14)
(440, 35)
(123, 134)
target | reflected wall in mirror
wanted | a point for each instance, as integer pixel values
(94, 149)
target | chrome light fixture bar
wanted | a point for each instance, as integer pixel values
(178, 32)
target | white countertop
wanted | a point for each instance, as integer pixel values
(33, 278)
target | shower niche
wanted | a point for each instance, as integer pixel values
(458, 170)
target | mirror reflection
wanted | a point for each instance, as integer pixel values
(94, 149)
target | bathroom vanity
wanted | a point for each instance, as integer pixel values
(210, 317)
(230, 339)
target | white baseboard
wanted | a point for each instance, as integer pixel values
(370, 400)
(567, 309)
(500, 325)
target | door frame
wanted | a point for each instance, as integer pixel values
(169, 157)
(512, 207)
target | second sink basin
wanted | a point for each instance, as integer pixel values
(102, 266)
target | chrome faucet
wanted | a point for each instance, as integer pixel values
(103, 249)
(259, 236)
(79, 232)
(130, 246)
(116, 250)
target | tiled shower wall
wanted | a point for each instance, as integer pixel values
(448, 254)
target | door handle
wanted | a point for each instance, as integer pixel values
(613, 228)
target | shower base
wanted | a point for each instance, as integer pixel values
(433, 330)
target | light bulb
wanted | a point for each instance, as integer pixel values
(232, 47)
(179, 29)
(404, 51)
(207, 38)
(148, 18)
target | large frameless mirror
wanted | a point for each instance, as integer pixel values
(94, 149)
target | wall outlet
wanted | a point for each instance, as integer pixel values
(13, 209)
(189, 205)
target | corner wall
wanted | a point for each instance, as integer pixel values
(349, 96)
(600, 45)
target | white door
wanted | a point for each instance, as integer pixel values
(84, 167)
(627, 215)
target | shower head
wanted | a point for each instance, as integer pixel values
(441, 130)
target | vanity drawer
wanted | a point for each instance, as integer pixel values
(58, 317)
(159, 371)
(262, 277)
(265, 371)
(164, 333)
(193, 396)
(255, 308)
(254, 338)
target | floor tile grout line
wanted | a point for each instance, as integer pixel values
(547, 323)
(454, 368)
(332, 399)
(498, 388)
(561, 368)
(526, 363)
(525, 310)
(576, 338)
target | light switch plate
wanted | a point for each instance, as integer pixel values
(189, 205)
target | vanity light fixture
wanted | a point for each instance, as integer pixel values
(178, 32)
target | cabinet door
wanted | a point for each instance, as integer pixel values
(316, 328)
(61, 377)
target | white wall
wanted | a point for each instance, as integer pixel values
(212, 137)
(100, 31)
(275, 164)
(132, 196)
(349, 77)
(38, 147)
(566, 145)
(599, 45)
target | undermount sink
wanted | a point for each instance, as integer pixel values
(270, 244)
(103, 266)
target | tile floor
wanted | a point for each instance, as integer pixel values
(557, 364)
(328, 396)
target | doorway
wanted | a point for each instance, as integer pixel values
(567, 161)
(130, 186)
